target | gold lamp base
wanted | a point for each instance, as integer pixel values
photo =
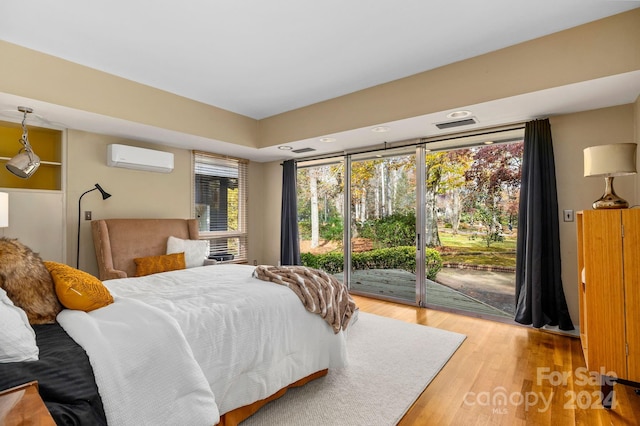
(610, 200)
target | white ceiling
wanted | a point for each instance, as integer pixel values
(260, 58)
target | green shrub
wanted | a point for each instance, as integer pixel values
(434, 263)
(391, 231)
(304, 229)
(310, 260)
(332, 230)
(385, 258)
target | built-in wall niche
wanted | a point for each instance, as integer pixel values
(46, 143)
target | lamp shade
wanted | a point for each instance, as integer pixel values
(4, 209)
(618, 159)
(24, 164)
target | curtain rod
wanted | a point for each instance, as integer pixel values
(415, 142)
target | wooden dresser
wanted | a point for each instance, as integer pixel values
(22, 405)
(609, 295)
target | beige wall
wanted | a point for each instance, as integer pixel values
(571, 134)
(270, 212)
(258, 192)
(134, 193)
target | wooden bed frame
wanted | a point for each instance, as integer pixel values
(234, 417)
(118, 241)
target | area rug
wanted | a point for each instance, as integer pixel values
(390, 363)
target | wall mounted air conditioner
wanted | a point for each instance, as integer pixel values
(131, 157)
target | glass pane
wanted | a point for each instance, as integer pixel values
(320, 216)
(217, 203)
(383, 200)
(232, 248)
(472, 221)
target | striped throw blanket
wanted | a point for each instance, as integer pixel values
(319, 292)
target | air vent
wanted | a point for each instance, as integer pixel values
(303, 150)
(457, 123)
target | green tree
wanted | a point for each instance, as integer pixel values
(445, 174)
(319, 196)
(493, 180)
(361, 174)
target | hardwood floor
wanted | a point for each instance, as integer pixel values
(505, 374)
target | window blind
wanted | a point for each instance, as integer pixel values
(220, 203)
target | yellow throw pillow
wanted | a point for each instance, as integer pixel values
(77, 289)
(154, 264)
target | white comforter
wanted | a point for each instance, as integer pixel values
(250, 337)
(127, 344)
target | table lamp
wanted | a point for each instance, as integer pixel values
(612, 160)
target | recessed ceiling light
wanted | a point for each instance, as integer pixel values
(459, 114)
(327, 139)
(285, 148)
(381, 129)
(488, 142)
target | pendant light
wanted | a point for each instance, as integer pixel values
(26, 162)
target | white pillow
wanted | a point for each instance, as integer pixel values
(195, 251)
(17, 338)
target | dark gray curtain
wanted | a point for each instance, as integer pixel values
(289, 242)
(539, 295)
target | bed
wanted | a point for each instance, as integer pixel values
(204, 344)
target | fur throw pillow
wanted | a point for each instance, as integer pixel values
(28, 282)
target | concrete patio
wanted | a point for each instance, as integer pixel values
(464, 289)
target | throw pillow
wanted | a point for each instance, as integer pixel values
(154, 264)
(195, 251)
(17, 338)
(27, 282)
(77, 289)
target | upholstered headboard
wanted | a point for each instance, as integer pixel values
(119, 241)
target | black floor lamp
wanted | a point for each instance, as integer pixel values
(105, 195)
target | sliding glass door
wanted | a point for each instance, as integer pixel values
(432, 224)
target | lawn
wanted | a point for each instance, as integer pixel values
(464, 248)
(460, 248)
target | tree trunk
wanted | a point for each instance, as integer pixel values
(377, 196)
(392, 186)
(456, 207)
(431, 236)
(383, 190)
(315, 226)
